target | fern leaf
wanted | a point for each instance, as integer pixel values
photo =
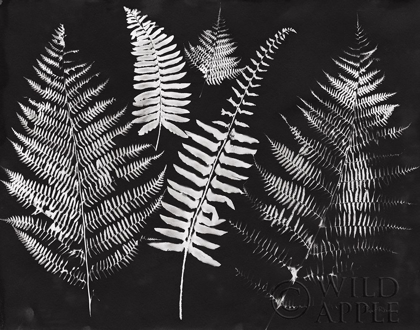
(211, 167)
(158, 69)
(342, 163)
(80, 227)
(212, 56)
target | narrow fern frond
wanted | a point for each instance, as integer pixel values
(212, 166)
(158, 70)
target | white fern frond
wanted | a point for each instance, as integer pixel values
(212, 56)
(158, 70)
(212, 163)
(342, 163)
(79, 227)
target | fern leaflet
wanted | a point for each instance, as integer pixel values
(82, 227)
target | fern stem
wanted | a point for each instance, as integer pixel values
(84, 223)
(80, 195)
(159, 132)
(181, 285)
(270, 320)
(82, 214)
(202, 88)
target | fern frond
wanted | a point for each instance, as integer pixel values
(211, 168)
(212, 55)
(79, 228)
(158, 69)
(341, 162)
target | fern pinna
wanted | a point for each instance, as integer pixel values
(212, 55)
(80, 228)
(329, 202)
(211, 163)
(158, 69)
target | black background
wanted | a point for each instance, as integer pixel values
(145, 295)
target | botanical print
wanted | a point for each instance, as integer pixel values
(233, 177)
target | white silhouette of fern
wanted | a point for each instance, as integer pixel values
(80, 228)
(158, 69)
(211, 166)
(330, 207)
(212, 55)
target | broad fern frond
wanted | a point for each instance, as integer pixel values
(158, 69)
(212, 56)
(82, 227)
(211, 167)
(330, 200)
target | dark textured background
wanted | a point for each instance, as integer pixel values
(145, 295)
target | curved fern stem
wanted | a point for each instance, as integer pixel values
(158, 136)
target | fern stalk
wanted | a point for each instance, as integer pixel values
(81, 199)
